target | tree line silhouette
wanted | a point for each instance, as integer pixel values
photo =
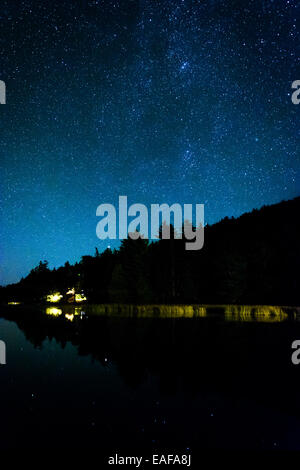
(253, 259)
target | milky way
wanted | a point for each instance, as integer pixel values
(162, 101)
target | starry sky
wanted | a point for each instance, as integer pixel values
(163, 101)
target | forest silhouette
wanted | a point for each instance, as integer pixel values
(253, 259)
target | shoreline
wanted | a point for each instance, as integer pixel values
(229, 311)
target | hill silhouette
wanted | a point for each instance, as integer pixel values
(253, 259)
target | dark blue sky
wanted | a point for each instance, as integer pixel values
(163, 101)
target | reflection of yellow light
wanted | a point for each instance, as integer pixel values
(54, 297)
(71, 291)
(55, 312)
(13, 303)
(260, 313)
(69, 316)
(79, 298)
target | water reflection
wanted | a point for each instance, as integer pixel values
(248, 313)
(55, 312)
(237, 313)
(148, 311)
(168, 378)
(69, 312)
(169, 346)
(69, 317)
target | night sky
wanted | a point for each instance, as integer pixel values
(163, 101)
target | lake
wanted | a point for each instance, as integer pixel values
(218, 378)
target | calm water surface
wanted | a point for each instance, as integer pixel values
(149, 384)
